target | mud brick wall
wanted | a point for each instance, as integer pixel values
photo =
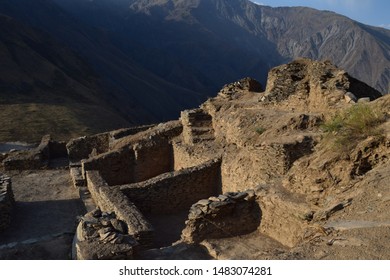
(175, 191)
(6, 202)
(227, 215)
(111, 199)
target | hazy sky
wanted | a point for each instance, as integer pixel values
(372, 12)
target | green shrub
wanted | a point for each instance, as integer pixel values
(353, 125)
(260, 130)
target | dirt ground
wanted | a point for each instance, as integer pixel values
(44, 217)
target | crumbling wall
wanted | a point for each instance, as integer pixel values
(197, 126)
(111, 199)
(36, 158)
(81, 148)
(285, 217)
(136, 158)
(101, 236)
(6, 202)
(137, 163)
(251, 166)
(227, 215)
(172, 192)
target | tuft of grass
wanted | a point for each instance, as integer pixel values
(346, 129)
(260, 130)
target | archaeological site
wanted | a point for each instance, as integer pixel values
(299, 169)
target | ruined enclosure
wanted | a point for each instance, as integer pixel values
(246, 175)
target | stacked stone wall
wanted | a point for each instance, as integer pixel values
(175, 191)
(111, 199)
(227, 215)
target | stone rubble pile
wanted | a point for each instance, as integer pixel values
(228, 215)
(6, 202)
(101, 236)
(246, 84)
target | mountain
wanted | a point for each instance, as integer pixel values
(226, 39)
(144, 61)
(132, 93)
(46, 88)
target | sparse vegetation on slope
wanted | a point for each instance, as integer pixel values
(347, 128)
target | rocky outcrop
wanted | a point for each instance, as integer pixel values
(6, 202)
(244, 85)
(314, 86)
(227, 215)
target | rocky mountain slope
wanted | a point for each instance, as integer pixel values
(46, 87)
(241, 38)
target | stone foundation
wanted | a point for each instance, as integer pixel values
(6, 202)
(227, 215)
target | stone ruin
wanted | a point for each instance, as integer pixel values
(201, 165)
(227, 215)
(6, 202)
(189, 175)
(36, 158)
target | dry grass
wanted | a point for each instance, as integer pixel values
(349, 127)
(28, 122)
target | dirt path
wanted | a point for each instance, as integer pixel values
(45, 214)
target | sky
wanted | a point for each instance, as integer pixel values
(371, 12)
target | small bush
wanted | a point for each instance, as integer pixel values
(353, 125)
(260, 130)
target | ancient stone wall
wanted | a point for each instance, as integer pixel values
(101, 236)
(81, 148)
(36, 158)
(284, 217)
(137, 163)
(197, 126)
(138, 157)
(111, 199)
(172, 192)
(152, 158)
(116, 167)
(6, 202)
(248, 167)
(227, 215)
(185, 156)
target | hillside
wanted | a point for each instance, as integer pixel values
(226, 40)
(46, 88)
(143, 61)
